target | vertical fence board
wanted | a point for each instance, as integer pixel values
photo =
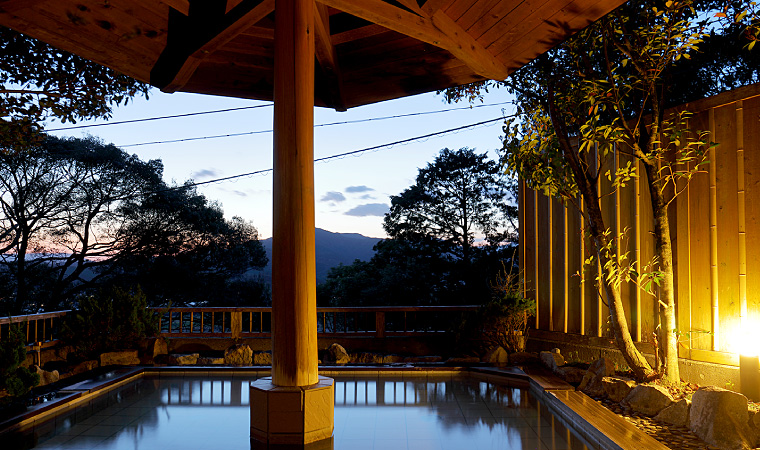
(728, 226)
(699, 249)
(543, 261)
(558, 267)
(575, 299)
(627, 248)
(682, 263)
(649, 305)
(752, 187)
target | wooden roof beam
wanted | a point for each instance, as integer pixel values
(194, 36)
(440, 31)
(328, 58)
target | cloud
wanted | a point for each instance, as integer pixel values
(333, 196)
(240, 193)
(205, 174)
(368, 209)
(357, 189)
(367, 197)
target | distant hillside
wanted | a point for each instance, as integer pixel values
(332, 249)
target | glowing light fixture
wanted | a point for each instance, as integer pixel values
(749, 364)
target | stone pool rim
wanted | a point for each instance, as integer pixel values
(553, 392)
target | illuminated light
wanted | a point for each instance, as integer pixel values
(749, 363)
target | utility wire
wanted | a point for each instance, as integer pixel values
(346, 122)
(337, 156)
(148, 119)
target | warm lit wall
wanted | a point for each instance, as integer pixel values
(715, 226)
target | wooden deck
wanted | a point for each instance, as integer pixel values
(602, 428)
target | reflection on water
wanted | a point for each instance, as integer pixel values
(372, 413)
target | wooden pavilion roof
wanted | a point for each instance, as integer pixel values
(366, 50)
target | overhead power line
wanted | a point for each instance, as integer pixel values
(172, 141)
(345, 122)
(340, 155)
(148, 119)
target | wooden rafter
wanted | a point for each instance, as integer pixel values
(358, 33)
(187, 45)
(431, 6)
(328, 58)
(440, 31)
(182, 6)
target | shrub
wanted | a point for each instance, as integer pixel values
(14, 378)
(502, 321)
(114, 319)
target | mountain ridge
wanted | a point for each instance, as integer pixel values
(331, 249)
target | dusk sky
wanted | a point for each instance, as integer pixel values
(352, 193)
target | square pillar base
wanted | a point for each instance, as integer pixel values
(292, 415)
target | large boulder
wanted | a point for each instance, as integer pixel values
(592, 381)
(676, 414)
(119, 358)
(47, 377)
(210, 360)
(153, 347)
(617, 388)
(238, 355)
(523, 358)
(337, 354)
(721, 418)
(553, 360)
(496, 356)
(573, 375)
(648, 399)
(84, 366)
(187, 359)
(262, 359)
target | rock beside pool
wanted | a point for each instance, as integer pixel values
(238, 355)
(592, 382)
(46, 377)
(422, 359)
(262, 359)
(337, 354)
(120, 358)
(617, 388)
(553, 360)
(153, 347)
(523, 358)
(375, 358)
(573, 375)
(187, 359)
(497, 356)
(648, 399)
(84, 366)
(676, 414)
(210, 361)
(720, 418)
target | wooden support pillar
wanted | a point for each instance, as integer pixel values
(295, 405)
(294, 302)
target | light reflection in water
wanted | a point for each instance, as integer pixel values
(370, 413)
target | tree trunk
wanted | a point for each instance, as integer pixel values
(636, 361)
(664, 250)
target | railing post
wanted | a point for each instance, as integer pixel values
(380, 324)
(236, 324)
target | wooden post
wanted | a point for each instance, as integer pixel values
(379, 324)
(236, 324)
(294, 303)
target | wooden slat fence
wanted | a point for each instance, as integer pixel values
(252, 322)
(715, 227)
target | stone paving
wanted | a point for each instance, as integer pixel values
(677, 438)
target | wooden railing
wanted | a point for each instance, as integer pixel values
(39, 329)
(379, 322)
(331, 322)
